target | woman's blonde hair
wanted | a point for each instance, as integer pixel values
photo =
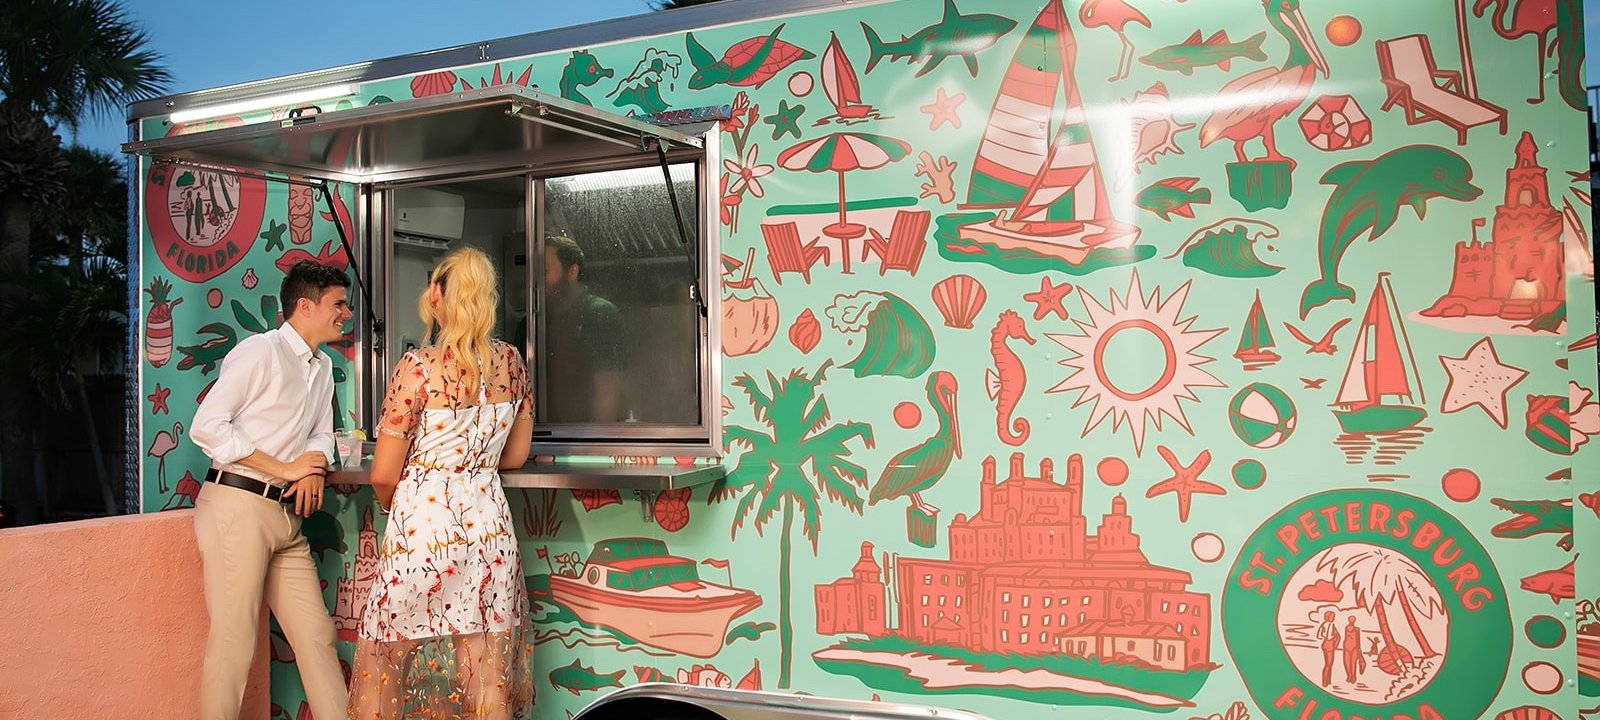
(469, 295)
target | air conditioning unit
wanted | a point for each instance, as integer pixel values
(429, 213)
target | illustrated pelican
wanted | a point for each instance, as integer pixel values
(917, 468)
(1250, 105)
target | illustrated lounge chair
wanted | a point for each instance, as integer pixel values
(902, 250)
(1413, 80)
(785, 252)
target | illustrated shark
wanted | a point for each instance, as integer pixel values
(1367, 199)
(954, 34)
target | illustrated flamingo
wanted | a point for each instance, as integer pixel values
(1250, 105)
(1116, 15)
(1531, 17)
(916, 469)
(164, 443)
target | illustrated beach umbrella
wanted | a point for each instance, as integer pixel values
(842, 152)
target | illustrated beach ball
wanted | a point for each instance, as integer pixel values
(1261, 415)
(1335, 122)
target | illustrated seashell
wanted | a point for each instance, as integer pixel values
(959, 298)
(250, 280)
(1528, 712)
(1152, 131)
(805, 332)
(434, 83)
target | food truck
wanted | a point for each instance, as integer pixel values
(1116, 358)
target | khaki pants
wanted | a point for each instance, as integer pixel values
(251, 549)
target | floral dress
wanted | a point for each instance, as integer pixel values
(443, 633)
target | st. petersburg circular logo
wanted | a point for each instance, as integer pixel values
(1367, 603)
(201, 222)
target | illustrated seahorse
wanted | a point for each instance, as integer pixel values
(1007, 379)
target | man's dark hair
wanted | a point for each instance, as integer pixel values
(568, 252)
(308, 280)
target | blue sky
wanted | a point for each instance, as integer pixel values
(210, 44)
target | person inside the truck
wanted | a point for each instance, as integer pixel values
(267, 425)
(584, 342)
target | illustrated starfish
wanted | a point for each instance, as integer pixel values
(786, 120)
(1048, 299)
(274, 235)
(943, 110)
(1185, 481)
(1479, 378)
(158, 400)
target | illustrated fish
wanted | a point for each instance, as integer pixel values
(577, 677)
(1558, 583)
(1536, 517)
(1173, 196)
(954, 34)
(1366, 200)
(1216, 50)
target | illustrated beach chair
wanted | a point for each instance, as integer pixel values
(785, 252)
(1414, 83)
(902, 250)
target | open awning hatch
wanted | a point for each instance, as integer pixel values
(502, 127)
(493, 128)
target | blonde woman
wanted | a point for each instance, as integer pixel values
(442, 635)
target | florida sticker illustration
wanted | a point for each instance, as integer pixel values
(1367, 603)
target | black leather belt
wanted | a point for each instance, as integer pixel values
(248, 484)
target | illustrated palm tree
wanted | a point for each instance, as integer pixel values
(788, 470)
(1384, 578)
(60, 61)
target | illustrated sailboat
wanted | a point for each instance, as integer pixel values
(840, 83)
(1255, 339)
(1036, 165)
(1379, 370)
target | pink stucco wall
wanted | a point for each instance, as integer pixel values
(106, 619)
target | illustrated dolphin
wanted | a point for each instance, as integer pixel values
(1367, 198)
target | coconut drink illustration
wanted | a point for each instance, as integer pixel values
(749, 313)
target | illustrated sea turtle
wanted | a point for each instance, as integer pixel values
(749, 63)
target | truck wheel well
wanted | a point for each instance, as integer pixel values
(649, 709)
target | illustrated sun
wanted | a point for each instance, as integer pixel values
(1177, 362)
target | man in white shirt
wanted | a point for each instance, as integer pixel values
(267, 425)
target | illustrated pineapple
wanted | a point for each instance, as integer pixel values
(158, 323)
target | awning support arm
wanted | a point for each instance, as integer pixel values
(355, 268)
(235, 173)
(695, 292)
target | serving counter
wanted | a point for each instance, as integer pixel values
(578, 475)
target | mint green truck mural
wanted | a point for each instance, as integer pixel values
(1219, 359)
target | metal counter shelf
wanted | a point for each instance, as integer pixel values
(582, 476)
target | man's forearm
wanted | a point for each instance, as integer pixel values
(266, 464)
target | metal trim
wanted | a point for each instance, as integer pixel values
(765, 705)
(619, 30)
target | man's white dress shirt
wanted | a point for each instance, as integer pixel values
(274, 393)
